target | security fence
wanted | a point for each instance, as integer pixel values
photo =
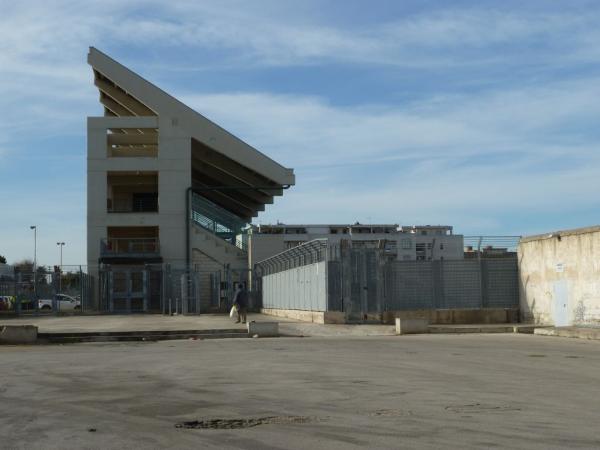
(66, 289)
(364, 282)
(444, 284)
(121, 289)
(168, 289)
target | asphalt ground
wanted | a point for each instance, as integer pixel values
(423, 391)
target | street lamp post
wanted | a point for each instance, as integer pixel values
(60, 244)
(34, 228)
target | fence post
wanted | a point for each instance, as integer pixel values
(481, 284)
(17, 296)
(437, 281)
(81, 299)
(163, 285)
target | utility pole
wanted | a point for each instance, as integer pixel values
(34, 228)
(60, 244)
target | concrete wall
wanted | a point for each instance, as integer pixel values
(174, 177)
(302, 288)
(456, 316)
(331, 317)
(560, 277)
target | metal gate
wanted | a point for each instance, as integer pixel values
(363, 283)
(128, 290)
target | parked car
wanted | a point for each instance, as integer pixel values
(64, 302)
(6, 302)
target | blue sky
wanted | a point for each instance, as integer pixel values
(478, 114)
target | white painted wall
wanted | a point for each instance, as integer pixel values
(557, 262)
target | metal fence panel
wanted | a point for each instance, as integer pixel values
(409, 285)
(461, 283)
(501, 282)
(301, 288)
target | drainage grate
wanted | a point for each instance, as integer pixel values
(230, 424)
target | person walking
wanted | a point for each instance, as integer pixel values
(240, 301)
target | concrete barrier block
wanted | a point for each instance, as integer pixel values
(263, 329)
(18, 334)
(411, 326)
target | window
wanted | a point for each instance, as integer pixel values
(406, 257)
(429, 246)
(406, 244)
(441, 246)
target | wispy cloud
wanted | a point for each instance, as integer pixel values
(308, 131)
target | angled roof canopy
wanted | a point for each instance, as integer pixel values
(225, 169)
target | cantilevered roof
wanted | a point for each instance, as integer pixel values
(230, 172)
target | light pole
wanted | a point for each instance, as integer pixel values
(34, 228)
(60, 244)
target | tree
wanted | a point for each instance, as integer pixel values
(24, 266)
(2, 259)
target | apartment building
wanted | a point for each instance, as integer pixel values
(165, 185)
(425, 242)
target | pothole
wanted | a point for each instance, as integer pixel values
(536, 356)
(231, 424)
(479, 408)
(391, 413)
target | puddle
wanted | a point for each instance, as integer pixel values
(232, 424)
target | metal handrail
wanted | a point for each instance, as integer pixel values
(219, 221)
(134, 205)
(127, 246)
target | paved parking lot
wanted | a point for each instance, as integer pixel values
(427, 391)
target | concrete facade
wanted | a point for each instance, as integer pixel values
(560, 277)
(402, 243)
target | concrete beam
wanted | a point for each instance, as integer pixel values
(124, 99)
(229, 204)
(123, 122)
(217, 177)
(113, 106)
(132, 139)
(209, 156)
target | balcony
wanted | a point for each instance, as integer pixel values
(130, 192)
(133, 248)
(135, 203)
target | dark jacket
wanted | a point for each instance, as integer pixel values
(241, 299)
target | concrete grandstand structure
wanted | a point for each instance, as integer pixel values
(165, 184)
